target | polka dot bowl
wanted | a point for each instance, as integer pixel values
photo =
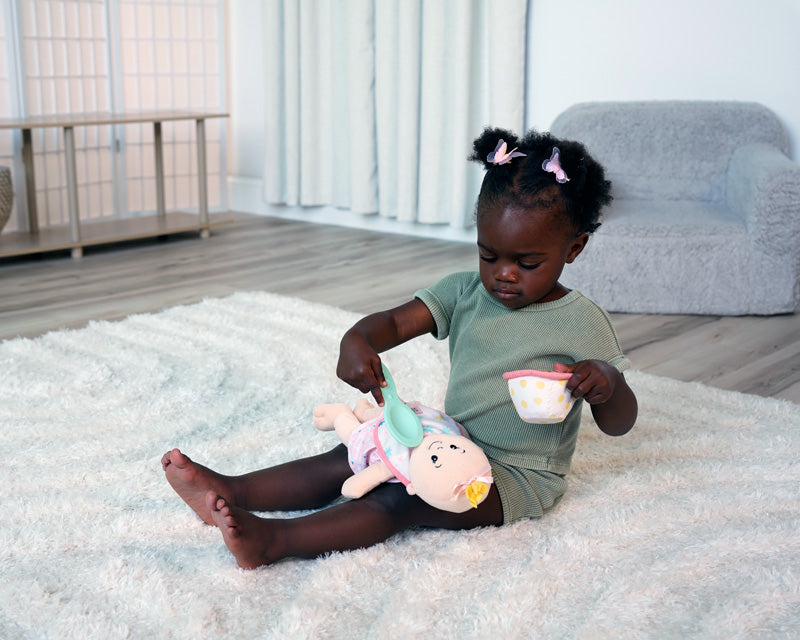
(539, 396)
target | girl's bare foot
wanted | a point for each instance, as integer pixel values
(193, 481)
(248, 537)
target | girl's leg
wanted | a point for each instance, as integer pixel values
(308, 483)
(386, 510)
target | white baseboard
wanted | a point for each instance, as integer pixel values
(245, 197)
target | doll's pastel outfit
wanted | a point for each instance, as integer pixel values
(371, 441)
(486, 339)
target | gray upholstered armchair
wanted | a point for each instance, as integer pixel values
(706, 211)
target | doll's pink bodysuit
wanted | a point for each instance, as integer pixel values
(371, 442)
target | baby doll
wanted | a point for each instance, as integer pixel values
(447, 470)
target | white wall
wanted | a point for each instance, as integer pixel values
(579, 50)
(583, 50)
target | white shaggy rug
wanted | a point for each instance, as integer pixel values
(688, 527)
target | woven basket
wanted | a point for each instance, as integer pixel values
(6, 195)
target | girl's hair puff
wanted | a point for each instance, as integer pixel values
(523, 183)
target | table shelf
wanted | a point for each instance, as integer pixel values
(106, 231)
(81, 233)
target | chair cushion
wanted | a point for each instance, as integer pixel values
(669, 150)
(669, 218)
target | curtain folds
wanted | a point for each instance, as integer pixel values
(372, 105)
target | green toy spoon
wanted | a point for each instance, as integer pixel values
(400, 419)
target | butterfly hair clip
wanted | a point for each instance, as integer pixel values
(553, 165)
(499, 155)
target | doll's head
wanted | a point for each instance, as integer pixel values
(449, 472)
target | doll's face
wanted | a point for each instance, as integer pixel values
(440, 463)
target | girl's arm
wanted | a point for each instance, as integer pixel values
(613, 403)
(359, 364)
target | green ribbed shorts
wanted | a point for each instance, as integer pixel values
(526, 493)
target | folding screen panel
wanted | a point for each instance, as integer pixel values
(170, 57)
(74, 56)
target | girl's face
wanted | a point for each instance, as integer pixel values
(522, 254)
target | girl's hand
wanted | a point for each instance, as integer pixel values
(592, 380)
(360, 366)
(614, 405)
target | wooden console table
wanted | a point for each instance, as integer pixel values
(79, 235)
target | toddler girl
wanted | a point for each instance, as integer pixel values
(539, 202)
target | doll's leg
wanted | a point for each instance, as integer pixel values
(336, 416)
(354, 524)
(307, 483)
(365, 410)
(324, 415)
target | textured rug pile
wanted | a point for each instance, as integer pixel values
(688, 527)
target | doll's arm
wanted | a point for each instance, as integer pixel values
(366, 480)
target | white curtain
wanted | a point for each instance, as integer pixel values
(372, 105)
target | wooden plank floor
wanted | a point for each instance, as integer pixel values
(360, 271)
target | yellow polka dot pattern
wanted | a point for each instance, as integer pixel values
(540, 400)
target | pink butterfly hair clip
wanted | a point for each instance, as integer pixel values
(553, 165)
(499, 155)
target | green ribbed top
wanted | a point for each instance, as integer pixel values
(488, 339)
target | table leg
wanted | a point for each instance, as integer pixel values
(159, 150)
(72, 191)
(30, 181)
(202, 177)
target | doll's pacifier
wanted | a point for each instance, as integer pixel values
(540, 397)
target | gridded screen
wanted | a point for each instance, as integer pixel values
(6, 111)
(170, 52)
(64, 45)
(77, 56)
